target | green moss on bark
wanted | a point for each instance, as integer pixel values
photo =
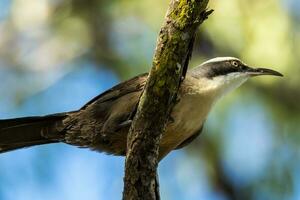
(174, 46)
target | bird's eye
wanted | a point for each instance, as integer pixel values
(235, 63)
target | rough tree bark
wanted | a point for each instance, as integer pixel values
(172, 54)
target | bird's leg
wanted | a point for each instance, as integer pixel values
(171, 119)
(124, 124)
(177, 100)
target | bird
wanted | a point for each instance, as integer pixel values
(103, 123)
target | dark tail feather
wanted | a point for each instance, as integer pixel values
(29, 131)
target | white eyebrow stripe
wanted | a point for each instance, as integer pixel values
(220, 59)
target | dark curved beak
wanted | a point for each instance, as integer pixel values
(262, 71)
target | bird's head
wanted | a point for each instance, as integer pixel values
(223, 74)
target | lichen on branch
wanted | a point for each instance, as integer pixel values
(171, 57)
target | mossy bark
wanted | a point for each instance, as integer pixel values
(172, 53)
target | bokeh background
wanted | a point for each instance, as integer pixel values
(55, 55)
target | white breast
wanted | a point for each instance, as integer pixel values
(189, 115)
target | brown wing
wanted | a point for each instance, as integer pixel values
(132, 85)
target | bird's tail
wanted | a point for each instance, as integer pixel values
(29, 131)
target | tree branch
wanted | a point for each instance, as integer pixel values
(171, 58)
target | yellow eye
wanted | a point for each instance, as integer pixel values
(235, 63)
